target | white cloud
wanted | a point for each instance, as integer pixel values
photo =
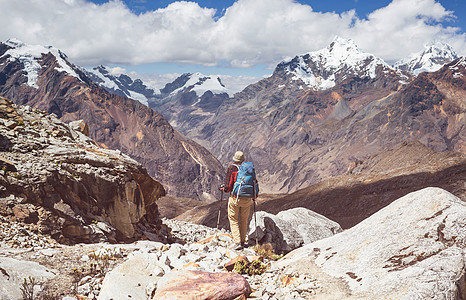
(117, 71)
(250, 32)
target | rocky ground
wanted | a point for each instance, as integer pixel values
(79, 270)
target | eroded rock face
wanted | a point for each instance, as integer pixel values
(59, 179)
(412, 249)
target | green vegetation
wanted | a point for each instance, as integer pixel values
(256, 267)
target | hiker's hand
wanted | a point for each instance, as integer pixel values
(222, 188)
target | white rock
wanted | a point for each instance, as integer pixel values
(130, 279)
(84, 289)
(13, 272)
(412, 249)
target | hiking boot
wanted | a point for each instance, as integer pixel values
(238, 246)
(244, 245)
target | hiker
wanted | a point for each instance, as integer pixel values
(243, 190)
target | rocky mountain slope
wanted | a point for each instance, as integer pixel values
(364, 262)
(431, 59)
(58, 180)
(298, 135)
(376, 182)
(42, 78)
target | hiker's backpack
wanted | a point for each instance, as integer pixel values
(246, 184)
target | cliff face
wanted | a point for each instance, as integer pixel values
(73, 190)
(182, 166)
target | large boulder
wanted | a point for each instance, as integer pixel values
(58, 179)
(14, 273)
(291, 229)
(412, 249)
(131, 278)
(186, 284)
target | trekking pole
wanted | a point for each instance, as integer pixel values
(255, 219)
(220, 208)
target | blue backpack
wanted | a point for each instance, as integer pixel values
(246, 184)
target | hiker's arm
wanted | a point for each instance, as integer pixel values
(229, 180)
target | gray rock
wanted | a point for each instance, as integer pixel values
(291, 229)
(13, 273)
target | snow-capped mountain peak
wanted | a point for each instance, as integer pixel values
(431, 59)
(200, 84)
(322, 69)
(122, 84)
(29, 54)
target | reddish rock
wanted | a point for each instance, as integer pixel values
(210, 238)
(202, 285)
(191, 265)
(231, 264)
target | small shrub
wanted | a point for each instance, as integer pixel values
(256, 267)
(266, 251)
(28, 288)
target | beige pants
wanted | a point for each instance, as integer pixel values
(238, 214)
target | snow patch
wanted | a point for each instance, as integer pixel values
(456, 68)
(139, 97)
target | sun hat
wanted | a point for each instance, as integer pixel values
(239, 156)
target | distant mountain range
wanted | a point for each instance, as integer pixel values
(125, 85)
(319, 70)
(321, 111)
(309, 120)
(323, 69)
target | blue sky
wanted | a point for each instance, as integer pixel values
(242, 40)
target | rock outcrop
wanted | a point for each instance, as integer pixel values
(290, 229)
(71, 189)
(412, 249)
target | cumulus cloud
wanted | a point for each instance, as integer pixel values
(250, 32)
